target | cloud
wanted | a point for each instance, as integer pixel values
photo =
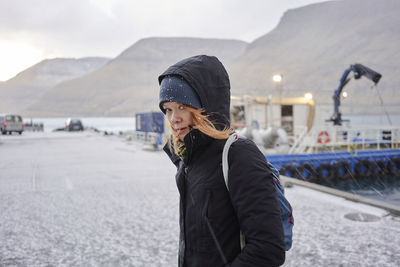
(78, 28)
(10, 51)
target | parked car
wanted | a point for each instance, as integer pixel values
(11, 123)
(73, 125)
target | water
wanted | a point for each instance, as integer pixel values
(109, 124)
(117, 124)
(390, 194)
(380, 187)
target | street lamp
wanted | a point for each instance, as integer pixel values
(277, 78)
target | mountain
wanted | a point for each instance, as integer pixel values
(313, 45)
(31, 84)
(128, 83)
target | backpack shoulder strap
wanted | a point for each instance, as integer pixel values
(225, 166)
(232, 138)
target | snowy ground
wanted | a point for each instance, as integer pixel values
(83, 199)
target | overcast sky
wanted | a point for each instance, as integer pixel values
(32, 30)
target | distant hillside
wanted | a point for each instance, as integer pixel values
(128, 83)
(29, 85)
(313, 45)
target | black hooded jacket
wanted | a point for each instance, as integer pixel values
(206, 206)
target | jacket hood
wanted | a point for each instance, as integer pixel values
(209, 79)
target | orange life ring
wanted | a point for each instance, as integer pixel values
(323, 137)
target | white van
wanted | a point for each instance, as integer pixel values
(11, 123)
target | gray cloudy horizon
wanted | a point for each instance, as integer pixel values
(31, 31)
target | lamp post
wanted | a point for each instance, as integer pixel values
(278, 79)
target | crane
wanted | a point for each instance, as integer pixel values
(359, 71)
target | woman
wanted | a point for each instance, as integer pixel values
(195, 97)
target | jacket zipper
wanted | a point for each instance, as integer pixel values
(185, 174)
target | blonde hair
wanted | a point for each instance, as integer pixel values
(203, 124)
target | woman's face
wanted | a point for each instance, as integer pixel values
(179, 117)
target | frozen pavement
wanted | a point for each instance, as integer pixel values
(324, 236)
(83, 199)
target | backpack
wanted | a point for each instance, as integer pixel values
(286, 208)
